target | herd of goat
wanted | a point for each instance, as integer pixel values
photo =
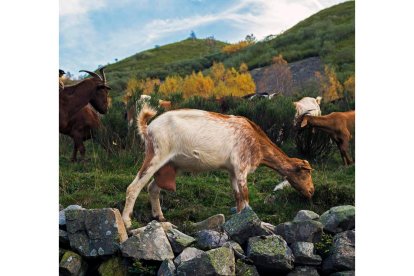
(188, 140)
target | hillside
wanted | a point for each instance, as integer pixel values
(329, 34)
(164, 60)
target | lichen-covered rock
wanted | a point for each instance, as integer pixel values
(212, 223)
(72, 265)
(240, 227)
(270, 253)
(209, 239)
(167, 268)
(338, 219)
(243, 269)
(343, 273)
(193, 261)
(152, 244)
(95, 232)
(236, 247)
(62, 217)
(304, 254)
(342, 254)
(304, 271)
(306, 231)
(179, 240)
(61, 253)
(306, 215)
(113, 267)
(222, 260)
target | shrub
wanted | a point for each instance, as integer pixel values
(197, 102)
(314, 145)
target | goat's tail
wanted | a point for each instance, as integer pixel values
(318, 100)
(143, 117)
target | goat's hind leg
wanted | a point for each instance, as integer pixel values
(154, 193)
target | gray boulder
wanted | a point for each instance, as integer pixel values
(95, 232)
(188, 254)
(193, 261)
(63, 239)
(222, 260)
(243, 269)
(238, 250)
(72, 265)
(304, 271)
(62, 217)
(270, 254)
(304, 254)
(113, 267)
(338, 219)
(152, 244)
(306, 215)
(179, 240)
(209, 239)
(167, 268)
(240, 227)
(342, 253)
(306, 231)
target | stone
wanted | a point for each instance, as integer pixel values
(241, 226)
(222, 260)
(338, 219)
(304, 271)
(193, 261)
(343, 273)
(152, 244)
(62, 217)
(179, 240)
(306, 231)
(212, 223)
(210, 239)
(303, 215)
(342, 253)
(113, 267)
(243, 269)
(61, 253)
(238, 250)
(72, 265)
(304, 254)
(167, 268)
(95, 232)
(270, 254)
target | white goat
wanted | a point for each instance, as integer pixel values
(195, 141)
(307, 105)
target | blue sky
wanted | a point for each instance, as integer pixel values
(95, 32)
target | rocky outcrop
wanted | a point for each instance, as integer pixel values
(95, 232)
(152, 244)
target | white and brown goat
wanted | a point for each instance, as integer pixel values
(195, 141)
(307, 105)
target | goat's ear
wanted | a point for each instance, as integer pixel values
(304, 122)
(104, 86)
(306, 166)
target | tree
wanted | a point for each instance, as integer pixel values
(251, 39)
(330, 86)
(193, 35)
(277, 76)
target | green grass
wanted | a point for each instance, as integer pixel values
(102, 181)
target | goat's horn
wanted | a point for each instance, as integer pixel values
(93, 74)
(103, 73)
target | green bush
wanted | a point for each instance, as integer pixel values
(314, 144)
(197, 102)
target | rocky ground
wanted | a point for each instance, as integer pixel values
(95, 242)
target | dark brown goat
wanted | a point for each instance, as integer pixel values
(80, 128)
(73, 98)
(339, 125)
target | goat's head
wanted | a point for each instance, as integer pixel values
(99, 98)
(300, 177)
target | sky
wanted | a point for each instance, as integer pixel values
(96, 32)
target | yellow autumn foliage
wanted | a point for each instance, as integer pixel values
(172, 84)
(349, 86)
(232, 48)
(330, 86)
(197, 85)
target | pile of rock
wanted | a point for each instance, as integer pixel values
(96, 242)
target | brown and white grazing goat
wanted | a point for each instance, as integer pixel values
(73, 98)
(80, 128)
(307, 105)
(194, 141)
(339, 125)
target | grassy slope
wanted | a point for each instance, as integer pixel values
(329, 34)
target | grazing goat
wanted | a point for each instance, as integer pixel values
(80, 129)
(339, 125)
(189, 140)
(307, 105)
(73, 98)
